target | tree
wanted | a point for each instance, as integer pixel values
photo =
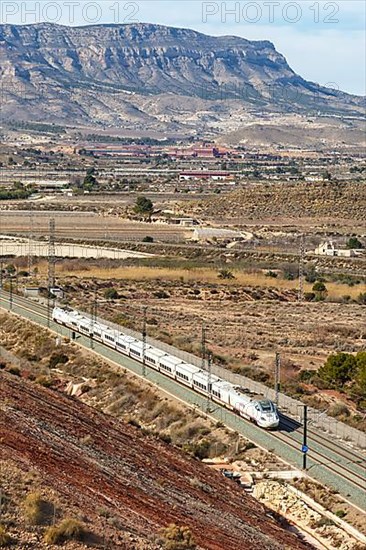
(353, 243)
(89, 182)
(144, 206)
(320, 290)
(310, 274)
(361, 375)
(338, 369)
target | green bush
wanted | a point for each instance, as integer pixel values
(354, 242)
(320, 289)
(144, 206)
(57, 359)
(111, 294)
(310, 274)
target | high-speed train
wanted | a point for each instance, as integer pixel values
(260, 411)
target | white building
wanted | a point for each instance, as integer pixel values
(328, 249)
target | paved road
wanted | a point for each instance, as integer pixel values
(335, 467)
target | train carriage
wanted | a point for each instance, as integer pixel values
(124, 342)
(153, 357)
(109, 337)
(137, 350)
(168, 365)
(184, 373)
(203, 382)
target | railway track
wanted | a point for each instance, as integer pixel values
(325, 455)
(348, 453)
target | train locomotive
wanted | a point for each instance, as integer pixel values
(260, 411)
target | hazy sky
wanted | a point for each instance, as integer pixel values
(323, 41)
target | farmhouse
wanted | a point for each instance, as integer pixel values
(328, 249)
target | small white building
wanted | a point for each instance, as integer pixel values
(328, 249)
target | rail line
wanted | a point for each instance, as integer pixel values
(325, 442)
(337, 464)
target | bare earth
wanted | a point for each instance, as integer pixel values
(143, 483)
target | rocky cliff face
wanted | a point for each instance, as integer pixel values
(127, 74)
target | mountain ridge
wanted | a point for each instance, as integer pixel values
(124, 75)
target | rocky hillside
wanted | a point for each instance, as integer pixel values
(98, 463)
(144, 75)
(322, 201)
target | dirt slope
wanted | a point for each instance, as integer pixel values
(324, 201)
(143, 482)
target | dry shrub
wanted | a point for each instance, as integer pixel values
(5, 538)
(177, 538)
(33, 507)
(338, 409)
(69, 529)
(44, 381)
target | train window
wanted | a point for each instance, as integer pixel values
(121, 345)
(266, 406)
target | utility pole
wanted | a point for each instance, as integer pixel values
(30, 242)
(11, 293)
(305, 439)
(301, 269)
(209, 381)
(277, 377)
(93, 318)
(203, 347)
(144, 342)
(51, 269)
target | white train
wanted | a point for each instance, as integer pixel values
(261, 411)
